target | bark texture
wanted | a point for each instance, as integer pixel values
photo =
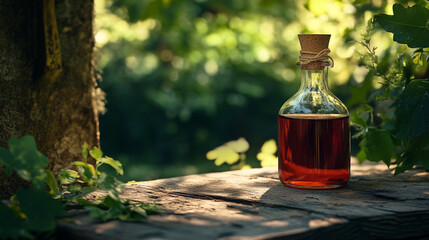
(60, 116)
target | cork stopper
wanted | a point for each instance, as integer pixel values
(313, 43)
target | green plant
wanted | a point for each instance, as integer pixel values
(234, 153)
(111, 206)
(32, 213)
(398, 128)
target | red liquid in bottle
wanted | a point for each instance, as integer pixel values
(314, 150)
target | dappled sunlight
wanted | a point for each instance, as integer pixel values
(185, 96)
(316, 223)
(257, 33)
(253, 203)
(106, 227)
(173, 70)
(275, 223)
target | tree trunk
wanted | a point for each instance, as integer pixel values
(61, 114)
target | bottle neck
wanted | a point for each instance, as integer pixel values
(314, 80)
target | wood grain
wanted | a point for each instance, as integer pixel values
(252, 204)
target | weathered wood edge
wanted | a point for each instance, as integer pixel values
(392, 221)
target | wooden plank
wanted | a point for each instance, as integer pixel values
(252, 204)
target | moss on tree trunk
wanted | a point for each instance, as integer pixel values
(60, 116)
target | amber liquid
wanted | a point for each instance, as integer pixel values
(314, 150)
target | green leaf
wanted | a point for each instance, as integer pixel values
(361, 156)
(84, 202)
(379, 145)
(51, 181)
(86, 170)
(85, 150)
(40, 208)
(115, 209)
(7, 160)
(417, 152)
(139, 210)
(74, 188)
(11, 226)
(359, 93)
(223, 154)
(239, 146)
(110, 202)
(406, 63)
(113, 163)
(150, 208)
(28, 162)
(267, 154)
(25, 149)
(408, 25)
(413, 110)
(96, 212)
(96, 153)
(68, 176)
(109, 183)
(122, 210)
(376, 145)
(405, 162)
(361, 115)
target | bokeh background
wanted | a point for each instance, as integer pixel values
(184, 76)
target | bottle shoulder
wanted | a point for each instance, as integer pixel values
(314, 102)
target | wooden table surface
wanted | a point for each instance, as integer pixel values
(253, 204)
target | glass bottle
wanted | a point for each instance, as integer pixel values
(314, 135)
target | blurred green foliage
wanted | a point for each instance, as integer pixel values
(183, 77)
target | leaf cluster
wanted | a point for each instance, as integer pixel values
(233, 152)
(112, 206)
(398, 128)
(32, 213)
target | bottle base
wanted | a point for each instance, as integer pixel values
(312, 185)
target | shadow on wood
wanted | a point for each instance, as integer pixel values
(252, 204)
